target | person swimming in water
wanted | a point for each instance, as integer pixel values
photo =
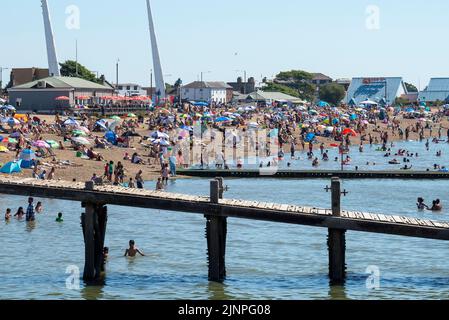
(8, 214)
(421, 205)
(132, 251)
(437, 206)
(59, 218)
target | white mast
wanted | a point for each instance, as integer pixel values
(160, 84)
(53, 66)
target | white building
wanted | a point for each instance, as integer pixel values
(217, 92)
(130, 90)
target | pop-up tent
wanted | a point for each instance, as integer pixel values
(11, 167)
(27, 157)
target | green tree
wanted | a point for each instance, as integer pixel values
(332, 93)
(410, 87)
(69, 69)
(300, 81)
(276, 87)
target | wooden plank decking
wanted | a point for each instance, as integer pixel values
(282, 213)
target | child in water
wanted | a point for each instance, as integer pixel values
(132, 251)
(59, 218)
(8, 214)
(421, 205)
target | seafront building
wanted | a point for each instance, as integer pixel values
(436, 91)
(42, 95)
(382, 90)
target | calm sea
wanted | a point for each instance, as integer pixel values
(264, 260)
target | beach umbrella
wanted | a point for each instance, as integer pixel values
(71, 122)
(11, 167)
(53, 144)
(313, 112)
(79, 133)
(310, 137)
(8, 107)
(329, 129)
(253, 125)
(116, 118)
(84, 129)
(160, 135)
(223, 119)
(41, 144)
(13, 122)
(365, 122)
(62, 98)
(15, 134)
(132, 115)
(9, 140)
(350, 132)
(3, 149)
(184, 134)
(81, 140)
(101, 125)
(1, 138)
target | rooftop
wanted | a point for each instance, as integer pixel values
(63, 83)
(209, 84)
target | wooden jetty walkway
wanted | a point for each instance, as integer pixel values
(216, 210)
(314, 174)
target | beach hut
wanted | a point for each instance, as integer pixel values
(11, 167)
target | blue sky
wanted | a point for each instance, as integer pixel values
(262, 37)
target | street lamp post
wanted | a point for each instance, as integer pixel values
(116, 74)
(151, 85)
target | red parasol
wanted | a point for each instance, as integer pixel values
(62, 98)
(350, 131)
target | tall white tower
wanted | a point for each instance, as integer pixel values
(53, 66)
(159, 78)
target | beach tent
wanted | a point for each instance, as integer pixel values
(27, 157)
(111, 137)
(11, 167)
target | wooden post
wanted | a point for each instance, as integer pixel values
(89, 242)
(216, 230)
(94, 221)
(337, 239)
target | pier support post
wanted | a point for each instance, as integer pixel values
(216, 230)
(337, 240)
(93, 222)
